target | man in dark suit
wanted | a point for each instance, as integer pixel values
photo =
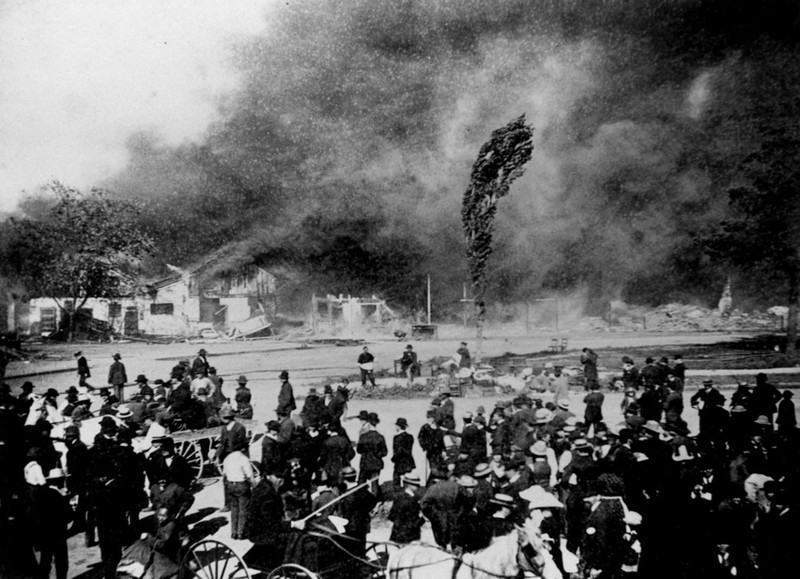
(473, 442)
(356, 508)
(265, 525)
(402, 451)
(405, 512)
(117, 377)
(431, 439)
(337, 452)
(372, 448)
(200, 365)
(286, 403)
(439, 506)
(83, 370)
(271, 451)
(231, 435)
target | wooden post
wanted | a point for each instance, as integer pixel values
(557, 316)
(429, 298)
(528, 318)
(313, 313)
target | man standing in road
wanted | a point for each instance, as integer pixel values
(465, 359)
(117, 377)
(286, 403)
(366, 363)
(83, 370)
(409, 364)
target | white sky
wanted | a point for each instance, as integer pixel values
(78, 77)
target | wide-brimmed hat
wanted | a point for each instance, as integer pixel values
(538, 498)
(242, 379)
(51, 393)
(521, 401)
(763, 421)
(543, 415)
(141, 378)
(682, 454)
(56, 473)
(124, 411)
(539, 448)
(563, 404)
(402, 423)
(156, 432)
(467, 481)
(108, 425)
(482, 470)
(503, 500)
(412, 479)
(653, 426)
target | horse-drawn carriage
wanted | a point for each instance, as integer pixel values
(212, 559)
(198, 447)
(522, 553)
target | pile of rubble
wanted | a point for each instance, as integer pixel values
(682, 318)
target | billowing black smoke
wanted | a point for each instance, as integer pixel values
(343, 158)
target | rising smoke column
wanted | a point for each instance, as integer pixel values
(357, 122)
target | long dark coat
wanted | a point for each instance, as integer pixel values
(372, 448)
(337, 452)
(286, 401)
(265, 527)
(271, 457)
(439, 506)
(116, 373)
(402, 453)
(230, 439)
(405, 514)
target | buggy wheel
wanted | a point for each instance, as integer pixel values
(292, 571)
(190, 450)
(378, 556)
(211, 559)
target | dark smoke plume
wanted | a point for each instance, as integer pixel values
(342, 159)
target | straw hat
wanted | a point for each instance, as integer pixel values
(538, 498)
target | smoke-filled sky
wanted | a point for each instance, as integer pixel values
(78, 78)
(335, 138)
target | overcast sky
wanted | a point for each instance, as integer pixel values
(78, 77)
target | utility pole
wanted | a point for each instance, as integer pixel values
(466, 303)
(429, 299)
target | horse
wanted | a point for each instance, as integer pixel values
(502, 559)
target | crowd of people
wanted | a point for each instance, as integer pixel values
(645, 497)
